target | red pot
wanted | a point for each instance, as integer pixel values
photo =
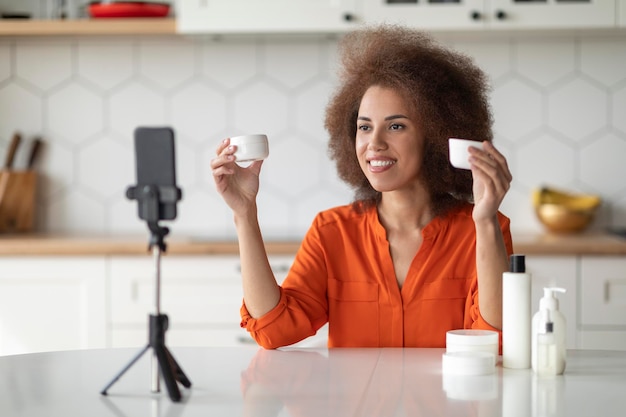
(128, 9)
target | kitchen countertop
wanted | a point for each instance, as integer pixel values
(526, 243)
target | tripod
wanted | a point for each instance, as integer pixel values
(158, 323)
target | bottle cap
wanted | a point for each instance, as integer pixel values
(517, 263)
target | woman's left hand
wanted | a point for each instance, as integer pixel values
(492, 180)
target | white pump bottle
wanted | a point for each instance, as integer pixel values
(548, 353)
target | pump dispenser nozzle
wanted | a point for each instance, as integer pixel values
(549, 300)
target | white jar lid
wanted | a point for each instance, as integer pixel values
(468, 363)
(471, 337)
(247, 139)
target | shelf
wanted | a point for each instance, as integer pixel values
(148, 26)
(540, 244)
(168, 26)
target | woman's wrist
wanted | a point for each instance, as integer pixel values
(247, 217)
(487, 224)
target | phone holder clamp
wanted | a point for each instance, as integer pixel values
(149, 198)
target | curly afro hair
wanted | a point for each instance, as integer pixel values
(445, 89)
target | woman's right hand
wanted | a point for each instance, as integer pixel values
(237, 185)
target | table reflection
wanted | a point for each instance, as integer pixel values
(370, 382)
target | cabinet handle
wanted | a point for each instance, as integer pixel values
(348, 17)
(280, 268)
(246, 340)
(501, 14)
(475, 15)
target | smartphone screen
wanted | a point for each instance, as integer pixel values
(155, 161)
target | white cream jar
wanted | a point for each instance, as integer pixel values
(250, 147)
(466, 340)
(459, 151)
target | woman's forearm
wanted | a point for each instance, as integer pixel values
(260, 290)
(491, 262)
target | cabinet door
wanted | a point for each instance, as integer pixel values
(603, 291)
(603, 302)
(253, 16)
(426, 14)
(201, 295)
(49, 304)
(549, 14)
(622, 13)
(556, 271)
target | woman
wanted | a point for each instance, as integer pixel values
(408, 259)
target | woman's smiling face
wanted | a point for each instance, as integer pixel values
(389, 140)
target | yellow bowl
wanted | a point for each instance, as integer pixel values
(563, 212)
(561, 219)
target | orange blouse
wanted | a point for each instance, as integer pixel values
(343, 274)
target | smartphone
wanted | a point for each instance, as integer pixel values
(155, 161)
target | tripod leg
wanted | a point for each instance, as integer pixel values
(123, 371)
(168, 373)
(178, 371)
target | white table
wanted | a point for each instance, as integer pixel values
(250, 381)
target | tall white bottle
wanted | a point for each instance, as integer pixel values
(548, 354)
(516, 315)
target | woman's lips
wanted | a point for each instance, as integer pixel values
(380, 164)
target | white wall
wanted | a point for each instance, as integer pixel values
(559, 103)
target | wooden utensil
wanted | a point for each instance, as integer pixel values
(35, 150)
(15, 142)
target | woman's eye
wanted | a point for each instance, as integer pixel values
(396, 126)
(363, 127)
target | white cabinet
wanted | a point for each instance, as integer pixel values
(76, 302)
(268, 16)
(621, 17)
(426, 14)
(49, 304)
(495, 14)
(492, 14)
(603, 302)
(201, 296)
(549, 14)
(67, 302)
(335, 16)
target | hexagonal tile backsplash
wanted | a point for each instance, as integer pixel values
(559, 107)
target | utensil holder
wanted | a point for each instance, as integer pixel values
(17, 200)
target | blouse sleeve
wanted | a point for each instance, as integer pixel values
(302, 307)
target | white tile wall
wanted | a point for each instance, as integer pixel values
(559, 105)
